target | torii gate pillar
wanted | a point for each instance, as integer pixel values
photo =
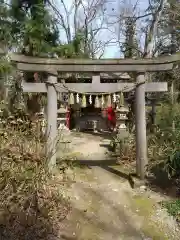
(51, 121)
(140, 126)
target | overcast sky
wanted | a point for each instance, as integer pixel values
(111, 51)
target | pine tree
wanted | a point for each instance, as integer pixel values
(34, 26)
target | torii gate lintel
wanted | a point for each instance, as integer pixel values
(140, 66)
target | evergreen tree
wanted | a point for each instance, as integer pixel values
(34, 27)
(130, 47)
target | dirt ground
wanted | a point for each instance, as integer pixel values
(104, 206)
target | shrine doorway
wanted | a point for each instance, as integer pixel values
(72, 118)
(87, 116)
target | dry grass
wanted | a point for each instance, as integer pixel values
(31, 207)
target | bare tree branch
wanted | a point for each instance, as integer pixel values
(68, 21)
(152, 30)
(61, 21)
(77, 4)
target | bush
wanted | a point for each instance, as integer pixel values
(173, 208)
(123, 144)
(30, 205)
(166, 114)
(164, 144)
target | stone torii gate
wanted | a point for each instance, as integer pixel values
(55, 66)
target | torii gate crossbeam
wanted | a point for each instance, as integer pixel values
(139, 66)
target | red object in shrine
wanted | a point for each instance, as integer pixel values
(111, 115)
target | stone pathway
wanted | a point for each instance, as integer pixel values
(105, 207)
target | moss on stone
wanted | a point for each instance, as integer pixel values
(146, 208)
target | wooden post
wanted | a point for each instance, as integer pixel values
(140, 125)
(51, 121)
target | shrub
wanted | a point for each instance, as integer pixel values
(123, 144)
(173, 208)
(30, 205)
(164, 144)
